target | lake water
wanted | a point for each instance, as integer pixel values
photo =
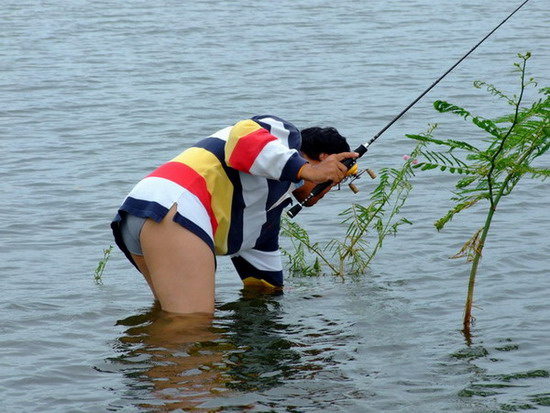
(94, 94)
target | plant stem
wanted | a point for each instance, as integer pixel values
(357, 236)
(478, 253)
(494, 200)
(381, 236)
(317, 252)
(503, 140)
(101, 265)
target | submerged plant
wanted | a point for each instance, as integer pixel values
(488, 174)
(354, 253)
(101, 265)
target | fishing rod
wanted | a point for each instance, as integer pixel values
(362, 149)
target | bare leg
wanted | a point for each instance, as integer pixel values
(140, 262)
(178, 265)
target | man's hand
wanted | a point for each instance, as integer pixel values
(329, 169)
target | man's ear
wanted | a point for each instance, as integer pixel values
(323, 156)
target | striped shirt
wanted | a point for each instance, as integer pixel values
(230, 190)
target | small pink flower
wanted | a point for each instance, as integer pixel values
(407, 157)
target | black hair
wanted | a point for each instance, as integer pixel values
(317, 140)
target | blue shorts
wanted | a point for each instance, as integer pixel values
(130, 229)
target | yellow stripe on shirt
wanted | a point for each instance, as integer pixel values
(206, 164)
(242, 128)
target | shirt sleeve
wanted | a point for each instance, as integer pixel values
(265, 146)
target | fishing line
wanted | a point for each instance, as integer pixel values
(363, 148)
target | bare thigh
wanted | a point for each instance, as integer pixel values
(144, 270)
(178, 266)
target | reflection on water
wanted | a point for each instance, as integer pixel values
(179, 362)
(263, 357)
(170, 360)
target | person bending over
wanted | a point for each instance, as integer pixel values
(223, 196)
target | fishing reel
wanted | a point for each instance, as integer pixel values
(352, 175)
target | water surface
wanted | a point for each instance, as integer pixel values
(93, 95)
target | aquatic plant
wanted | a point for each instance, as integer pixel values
(354, 253)
(488, 174)
(98, 275)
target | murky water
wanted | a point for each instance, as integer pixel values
(95, 94)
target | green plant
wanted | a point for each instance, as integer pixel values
(514, 141)
(101, 265)
(301, 244)
(354, 253)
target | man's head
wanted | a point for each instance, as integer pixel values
(317, 141)
(317, 144)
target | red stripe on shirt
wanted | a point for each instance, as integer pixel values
(188, 178)
(248, 148)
